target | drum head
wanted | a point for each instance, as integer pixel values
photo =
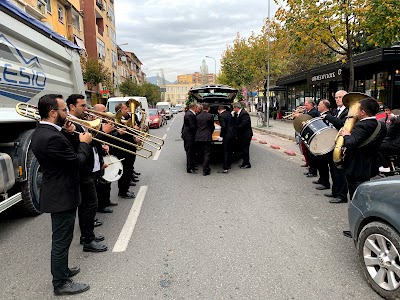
(323, 141)
(115, 169)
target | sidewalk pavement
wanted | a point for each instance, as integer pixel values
(281, 128)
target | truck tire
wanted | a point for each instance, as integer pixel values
(30, 188)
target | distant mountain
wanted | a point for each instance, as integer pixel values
(156, 80)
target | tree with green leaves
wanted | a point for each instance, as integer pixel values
(130, 88)
(94, 72)
(338, 24)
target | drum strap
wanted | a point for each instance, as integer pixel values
(373, 135)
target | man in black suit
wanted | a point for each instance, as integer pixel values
(188, 135)
(228, 136)
(362, 145)
(205, 128)
(325, 161)
(309, 105)
(339, 194)
(243, 133)
(88, 207)
(60, 194)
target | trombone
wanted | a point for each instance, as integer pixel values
(116, 119)
(298, 110)
(32, 112)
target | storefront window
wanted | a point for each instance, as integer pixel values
(382, 87)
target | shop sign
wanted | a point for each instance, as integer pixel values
(325, 77)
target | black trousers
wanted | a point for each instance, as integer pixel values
(244, 144)
(125, 180)
(227, 144)
(88, 208)
(205, 153)
(189, 148)
(353, 183)
(103, 189)
(62, 226)
(341, 183)
(325, 165)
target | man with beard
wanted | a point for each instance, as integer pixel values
(88, 207)
(60, 194)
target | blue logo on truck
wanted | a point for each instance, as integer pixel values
(21, 79)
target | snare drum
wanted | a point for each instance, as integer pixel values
(318, 136)
(114, 170)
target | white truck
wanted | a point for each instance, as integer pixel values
(34, 61)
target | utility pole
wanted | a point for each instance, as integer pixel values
(267, 96)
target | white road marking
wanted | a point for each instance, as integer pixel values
(168, 128)
(159, 151)
(127, 230)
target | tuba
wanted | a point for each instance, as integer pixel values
(350, 100)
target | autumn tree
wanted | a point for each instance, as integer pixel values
(338, 24)
(94, 72)
(130, 88)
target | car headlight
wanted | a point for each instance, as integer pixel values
(155, 120)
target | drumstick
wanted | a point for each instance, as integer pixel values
(116, 161)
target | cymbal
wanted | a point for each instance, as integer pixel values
(298, 122)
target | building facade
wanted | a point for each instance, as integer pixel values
(178, 93)
(196, 78)
(377, 74)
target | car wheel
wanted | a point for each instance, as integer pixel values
(378, 251)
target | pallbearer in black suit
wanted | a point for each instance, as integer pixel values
(243, 133)
(88, 207)
(188, 135)
(228, 136)
(362, 145)
(60, 193)
(203, 138)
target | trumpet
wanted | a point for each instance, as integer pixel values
(298, 110)
(32, 112)
(116, 119)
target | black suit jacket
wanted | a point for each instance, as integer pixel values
(227, 125)
(205, 127)
(60, 165)
(358, 161)
(189, 126)
(243, 125)
(338, 121)
(313, 112)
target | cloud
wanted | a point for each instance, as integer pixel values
(176, 35)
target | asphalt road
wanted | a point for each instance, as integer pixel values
(259, 233)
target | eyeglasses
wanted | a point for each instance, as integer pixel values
(64, 109)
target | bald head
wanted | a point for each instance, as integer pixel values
(99, 107)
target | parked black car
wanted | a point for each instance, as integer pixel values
(374, 218)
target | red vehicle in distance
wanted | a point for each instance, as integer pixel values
(155, 118)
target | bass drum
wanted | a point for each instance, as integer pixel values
(318, 136)
(114, 170)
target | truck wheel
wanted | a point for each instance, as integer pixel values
(31, 187)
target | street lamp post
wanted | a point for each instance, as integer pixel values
(215, 64)
(267, 96)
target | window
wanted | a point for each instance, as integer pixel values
(60, 11)
(76, 20)
(110, 13)
(101, 49)
(42, 6)
(114, 59)
(48, 5)
(113, 37)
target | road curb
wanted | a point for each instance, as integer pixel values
(282, 135)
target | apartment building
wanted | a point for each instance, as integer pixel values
(63, 16)
(196, 78)
(178, 93)
(100, 33)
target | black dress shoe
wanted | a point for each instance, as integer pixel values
(245, 166)
(347, 233)
(206, 173)
(105, 210)
(136, 173)
(71, 288)
(132, 183)
(329, 195)
(322, 187)
(338, 200)
(191, 172)
(94, 246)
(127, 195)
(97, 223)
(135, 180)
(73, 271)
(306, 173)
(113, 203)
(316, 182)
(311, 175)
(98, 238)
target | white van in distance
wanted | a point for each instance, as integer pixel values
(167, 108)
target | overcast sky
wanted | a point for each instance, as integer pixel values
(176, 35)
